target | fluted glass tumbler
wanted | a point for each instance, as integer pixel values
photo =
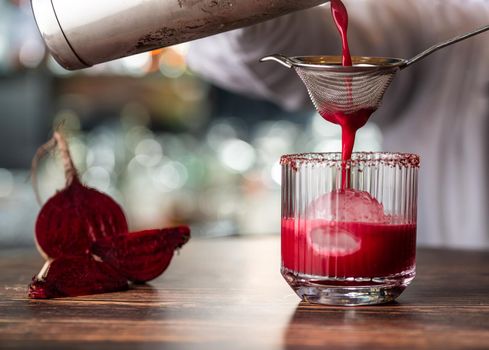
(349, 242)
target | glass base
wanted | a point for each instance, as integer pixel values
(348, 291)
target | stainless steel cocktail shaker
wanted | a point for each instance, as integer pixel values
(81, 33)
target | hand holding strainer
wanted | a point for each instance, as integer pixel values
(335, 88)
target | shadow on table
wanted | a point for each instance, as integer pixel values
(322, 326)
(401, 325)
(140, 302)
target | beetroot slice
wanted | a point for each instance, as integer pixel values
(75, 217)
(74, 276)
(141, 256)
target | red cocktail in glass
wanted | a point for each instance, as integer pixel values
(353, 245)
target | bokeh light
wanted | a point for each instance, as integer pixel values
(148, 152)
(237, 155)
(6, 183)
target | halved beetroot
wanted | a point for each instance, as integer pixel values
(84, 236)
(74, 218)
(77, 215)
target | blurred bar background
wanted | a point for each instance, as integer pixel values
(169, 147)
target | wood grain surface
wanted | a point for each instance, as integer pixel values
(228, 294)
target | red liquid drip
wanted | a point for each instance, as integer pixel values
(349, 123)
(347, 249)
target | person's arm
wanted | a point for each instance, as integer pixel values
(377, 28)
(231, 60)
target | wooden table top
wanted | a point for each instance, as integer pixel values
(228, 294)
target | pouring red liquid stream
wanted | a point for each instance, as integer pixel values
(349, 123)
(340, 16)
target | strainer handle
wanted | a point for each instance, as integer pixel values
(283, 60)
(441, 45)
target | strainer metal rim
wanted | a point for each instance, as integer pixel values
(360, 63)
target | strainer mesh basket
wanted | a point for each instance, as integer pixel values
(334, 91)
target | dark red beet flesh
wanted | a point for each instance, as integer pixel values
(76, 275)
(142, 256)
(74, 218)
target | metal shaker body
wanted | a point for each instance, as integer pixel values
(81, 33)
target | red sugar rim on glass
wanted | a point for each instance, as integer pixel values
(369, 159)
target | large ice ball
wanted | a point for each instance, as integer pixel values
(347, 206)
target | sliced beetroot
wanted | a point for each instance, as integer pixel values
(75, 217)
(84, 235)
(141, 256)
(73, 276)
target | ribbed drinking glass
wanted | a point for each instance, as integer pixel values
(353, 242)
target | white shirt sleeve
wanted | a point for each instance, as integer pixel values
(377, 28)
(231, 60)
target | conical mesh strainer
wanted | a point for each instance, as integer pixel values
(334, 88)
